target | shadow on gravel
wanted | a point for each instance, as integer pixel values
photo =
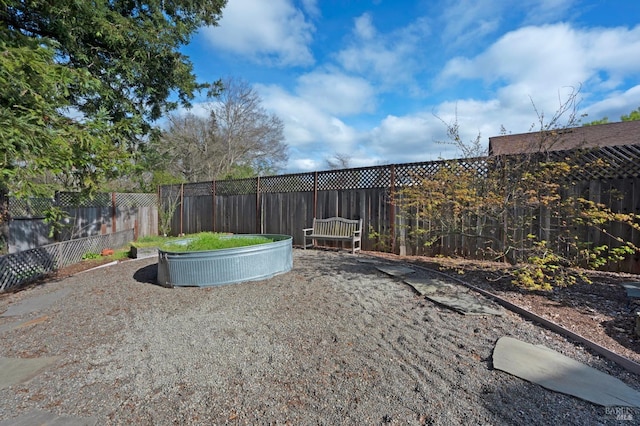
(147, 275)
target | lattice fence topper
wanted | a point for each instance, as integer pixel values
(132, 199)
(30, 208)
(357, 178)
(198, 189)
(611, 162)
(236, 186)
(34, 208)
(170, 192)
(616, 162)
(76, 199)
(300, 182)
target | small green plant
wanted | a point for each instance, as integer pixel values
(382, 242)
(90, 255)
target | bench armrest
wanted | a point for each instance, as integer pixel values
(306, 230)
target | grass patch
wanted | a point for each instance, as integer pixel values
(211, 241)
(154, 241)
(120, 254)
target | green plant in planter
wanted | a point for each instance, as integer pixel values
(212, 241)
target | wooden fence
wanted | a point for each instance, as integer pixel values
(285, 204)
(105, 213)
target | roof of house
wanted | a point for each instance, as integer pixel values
(610, 134)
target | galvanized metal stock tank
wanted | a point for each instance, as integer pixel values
(226, 266)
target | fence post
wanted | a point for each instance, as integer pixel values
(159, 193)
(181, 208)
(315, 194)
(392, 209)
(213, 214)
(258, 207)
(113, 212)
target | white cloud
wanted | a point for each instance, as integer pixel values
(311, 7)
(364, 28)
(388, 60)
(549, 56)
(273, 32)
(336, 93)
(543, 65)
(408, 139)
(614, 106)
(470, 20)
(544, 11)
(305, 123)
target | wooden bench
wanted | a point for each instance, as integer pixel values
(336, 229)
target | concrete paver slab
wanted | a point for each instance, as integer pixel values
(464, 303)
(633, 289)
(395, 270)
(557, 372)
(19, 370)
(369, 261)
(426, 286)
(44, 418)
(36, 303)
(23, 323)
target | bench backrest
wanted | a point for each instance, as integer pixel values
(336, 226)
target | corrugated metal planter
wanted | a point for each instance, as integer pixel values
(226, 266)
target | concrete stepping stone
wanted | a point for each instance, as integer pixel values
(369, 261)
(35, 303)
(556, 372)
(426, 286)
(44, 418)
(19, 370)
(633, 289)
(395, 270)
(24, 323)
(464, 303)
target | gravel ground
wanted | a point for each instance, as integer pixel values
(334, 341)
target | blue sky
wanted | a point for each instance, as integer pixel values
(372, 80)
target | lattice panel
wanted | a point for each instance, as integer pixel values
(236, 187)
(35, 207)
(287, 183)
(136, 200)
(29, 208)
(619, 162)
(338, 179)
(611, 162)
(198, 189)
(76, 199)
(375, 177)
(414, 173)
(20, 268)
(171, 192)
